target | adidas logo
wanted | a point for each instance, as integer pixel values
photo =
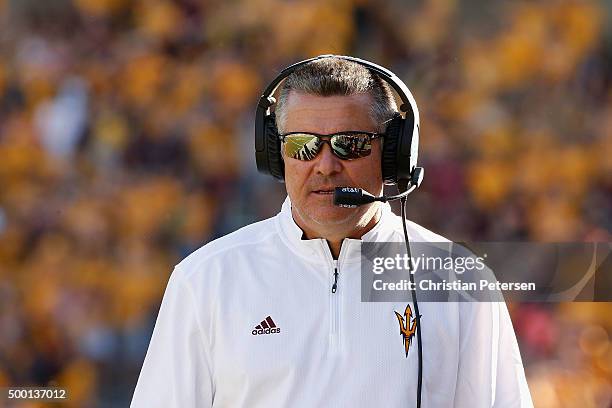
(266, 326)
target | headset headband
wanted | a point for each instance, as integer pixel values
(397, 84)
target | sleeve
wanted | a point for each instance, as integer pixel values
(490, 372)
(176, 370)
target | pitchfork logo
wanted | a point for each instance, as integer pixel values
(407, 330)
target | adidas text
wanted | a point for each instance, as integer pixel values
(266, 331)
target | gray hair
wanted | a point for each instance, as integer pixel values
(335, 76)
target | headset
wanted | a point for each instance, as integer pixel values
(399, 158)
(401, 142)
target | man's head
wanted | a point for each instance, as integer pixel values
(337, 77)
(324, 97)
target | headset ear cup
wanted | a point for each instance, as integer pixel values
(393, 135)
(275, 161)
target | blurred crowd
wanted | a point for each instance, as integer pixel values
(126, 142)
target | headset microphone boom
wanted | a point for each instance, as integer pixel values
(351, 197)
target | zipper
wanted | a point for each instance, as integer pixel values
(335, 296)
(335, 284)
(334, 310)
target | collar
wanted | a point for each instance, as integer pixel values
(317, 250)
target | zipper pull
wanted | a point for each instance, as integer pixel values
(335, 285)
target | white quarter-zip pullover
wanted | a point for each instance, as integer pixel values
(251, 320)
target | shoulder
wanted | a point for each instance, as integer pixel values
(421, 233)
(223, 249)
(416, 232)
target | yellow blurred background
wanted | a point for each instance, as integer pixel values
(126, 142)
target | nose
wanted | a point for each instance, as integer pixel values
(326, 163)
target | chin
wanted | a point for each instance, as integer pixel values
(333, 217)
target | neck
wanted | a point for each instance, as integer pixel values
(335, 234)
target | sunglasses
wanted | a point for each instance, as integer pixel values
(348, 145)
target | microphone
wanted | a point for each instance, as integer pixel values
(352, 197)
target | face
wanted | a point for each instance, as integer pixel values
(310, 184)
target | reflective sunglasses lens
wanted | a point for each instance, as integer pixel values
(350, 147)
(301, 146)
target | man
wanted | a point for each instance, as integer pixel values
(271, 315)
